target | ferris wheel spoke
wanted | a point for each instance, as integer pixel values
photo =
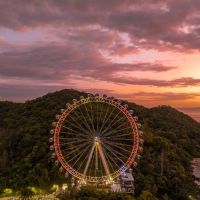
(115, 131)
(109, 158)
(90, 118)
(78, 125)
(106, 119)
(81, 128)
(66, 135)
(119, 137)
(113, 153)
(71, 132)
(118, 146)
(85, 121)
(74, 132)
(73, 139)
(75, 156)
(109, 125)
(74, 148)
(117, 121)
(66, 127)
(121, 127)
(84, 160)
(97, 128)
(101, 111)
(121, 157)
(75, 126)
(69, 151)
(75, 142)
(79, 155)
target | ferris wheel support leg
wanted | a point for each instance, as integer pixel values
(96, 157)
(105, 165)
(89, 160)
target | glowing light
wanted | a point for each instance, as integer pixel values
(64, 186)
(33, 189)
(54, 187)
(7, 191)
(83, 182)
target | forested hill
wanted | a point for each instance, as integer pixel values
(171, 140)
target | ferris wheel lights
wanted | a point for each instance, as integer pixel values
(141, 133)
(57, 117)
(141, 149)
(67, 105)
(135, 164)
(50, 139)
(130, 170)
(56, 162)
(141, 141)
(126, 106)
(53, 155)
(118, 102)
(89, 95)
(52, 131)
(130, 112)
(104, 96)
(62, 110)
(109, 180)
(139, 125)
(51, 147)
(75, 101)
(82, 181)
(61, 169)
(54, 124)
(66, 174)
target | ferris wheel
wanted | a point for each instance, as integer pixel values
(96, 139)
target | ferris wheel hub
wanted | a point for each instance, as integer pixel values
(96, 140)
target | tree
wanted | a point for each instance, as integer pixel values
(146, 195)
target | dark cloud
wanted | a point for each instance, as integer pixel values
(80, 32)
(160, 23)
(58, 62)
(54, 62)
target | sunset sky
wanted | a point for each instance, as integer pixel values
(144, 51)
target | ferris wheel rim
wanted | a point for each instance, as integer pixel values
(135, 134)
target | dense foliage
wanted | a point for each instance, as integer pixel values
(172, 139)
(91, 193)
